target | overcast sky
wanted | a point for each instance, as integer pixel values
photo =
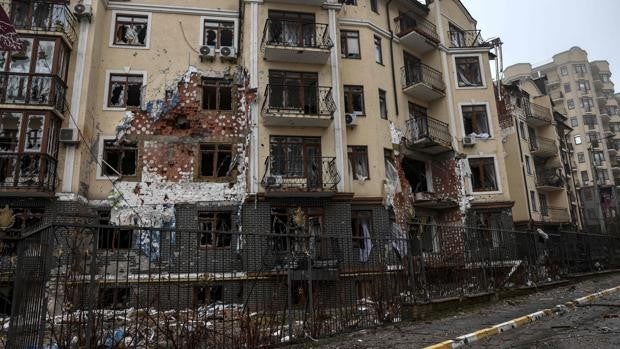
(534, 30)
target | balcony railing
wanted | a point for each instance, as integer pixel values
(298, 99)
(27, 172)
(422, 73)
(538, 113)
(33, 89)
(288, 33)
(544, 147)
(43, 16)
(465, 38)
(421, 128)
(549, 178)
(556, 214)
(310, 174)
(411, 21)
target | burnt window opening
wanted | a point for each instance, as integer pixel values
(358, 162)
(205, 295)
(283, 223)
(112, 238)
(119, 159)
(113, 298)
(468, 71)
(130, 30)
(354, 100)
(216, 160)
(219, 33)
(483, 176)
(415, 173)
(429, 242)
(124, 90)
(215, 229)
(476, 121)
(217, 94)
(361, 226)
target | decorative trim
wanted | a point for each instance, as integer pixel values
(184, 10)
(367, 24)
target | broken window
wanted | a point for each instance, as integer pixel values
(9, 131)
(493, 220)
(119, 159)
(219, 33)
(110, 238)
(383, 113)
(354, 100)
(294, 29)
(113, 298)
(216, 160)
(415, 172)
(286, 222)
(584, 86)
(130, 30)
(457, 36)
(205, 295)
(430, 237)
(361, 225)
(350, 44)
(590, 121)
(217, 94)
(571, 104)
(293, 157)
(587, 103)
(294, 91)
(358, 162)
(584, 176)
(483, 177)
(124, 90)
(468, 71)
(215, 229)
(475, 121)
(34, 133)
(580, 69)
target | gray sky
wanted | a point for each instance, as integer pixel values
(534, 30)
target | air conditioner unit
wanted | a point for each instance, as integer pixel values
(83, 11)
(68, 136)
(228, 52)
(207, 52)
(351, 119)
(469, 141)
(273, 181)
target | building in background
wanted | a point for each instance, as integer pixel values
(583, 91)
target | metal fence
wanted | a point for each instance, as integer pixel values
(127, 287)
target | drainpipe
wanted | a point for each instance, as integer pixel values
(389, 23)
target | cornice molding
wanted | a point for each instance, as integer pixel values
(185, 10)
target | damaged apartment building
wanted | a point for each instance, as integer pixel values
(233, 119)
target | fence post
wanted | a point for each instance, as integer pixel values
(92, 285)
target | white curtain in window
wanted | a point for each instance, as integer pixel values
(365, 251)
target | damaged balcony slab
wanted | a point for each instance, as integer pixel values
(434, 201)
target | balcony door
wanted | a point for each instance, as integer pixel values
(419, 121)
(298, 158)
(294, 91)
(293, 29)
(412, 69)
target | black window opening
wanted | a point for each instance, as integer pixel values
(215, 229)
(119, 159)
(415, 173)
(130, 30)
(468, 72)
(111, 238)
(483, 175)
(219, 33)
(361, 227)
(296, 29)
(114, 298)
(429, 242)
(284, 227)
(125, 90)
(217, 94)
(205, 295)
(294, 91)
(216, 160)
(476, 121)
(383, 112)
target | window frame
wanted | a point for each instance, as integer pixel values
(100, 158)
(383, 106)
(350, 91)
(344, 47)
(581, 157)
(374, 6)
(570, 104)
(215, 233)
(533, 201)
(216, 151)
(106, 89)
(489, 119)
(577, 137)
(564, 71)
(103, 217)
(147, 40)
(378, 45)
(357, 240)
(480, 69)
(497, 175)
(232, 18)
(219, 84)
(528, 165)
(353, 152)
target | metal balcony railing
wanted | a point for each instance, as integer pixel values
(411, 21)
(309, 174)
(543, 145)
(298, 99)
(42, 16)
(465, 38)
(32, 89)
(422, 73)
(28, 171)
(288, 33)
(426, 127)
(538, 112)
(549, 178)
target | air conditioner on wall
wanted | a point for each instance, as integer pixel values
(83, 11)
(68, 136)
(228, 52)
(351, 119)
(207, 53)
(273, 181)
(469, 141)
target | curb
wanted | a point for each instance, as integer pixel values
(472, 337)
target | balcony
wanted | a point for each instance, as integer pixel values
(313, 176)
(548, 180)
(422, 82)
(296, 42)
(465, 39)
(43, 90)
(306, 106)
(604, 114)
(42, 18)
(27, 173)
(416, 33)
(433, 201)
(555, 214)
(611, 148)
(428, 135)
(538, 115)
(543, 147)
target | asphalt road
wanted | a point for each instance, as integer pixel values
(589, 327)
